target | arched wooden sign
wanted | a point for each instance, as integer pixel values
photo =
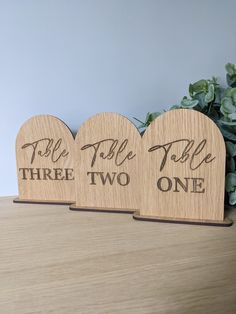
(106, 164)
(183, 170)
(45, 161)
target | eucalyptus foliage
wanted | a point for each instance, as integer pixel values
(219, 104)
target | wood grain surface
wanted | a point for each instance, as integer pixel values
(183, 168)
(45, 161)
(57, 261)
(107, 149)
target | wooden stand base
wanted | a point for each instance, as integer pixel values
(101, 209)
(48, 202)
(225, 223)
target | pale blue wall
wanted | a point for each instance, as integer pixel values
(75, 58)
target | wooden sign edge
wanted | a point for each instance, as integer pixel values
(48, 202)
(44, 115)
(224, 223)
(73, 205)
(214, 125)
(31, 201)
(101, 113)
(100, 209)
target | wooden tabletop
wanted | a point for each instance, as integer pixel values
(53, 260)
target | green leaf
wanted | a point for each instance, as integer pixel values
(214, 81)
(198, 87)
(233, 94)
(230, 68)
(209, 97)
(227, 131)
(188, 103)
(232, 116)
(230, 182)
(150, 117)
(226, 121)
(201, 100)
(218, 92)
(227, 106)
(154, 115)
(231, 80)
(228, 92)
(190, 90)
(231, 148)
(230, 164)
(232, 198)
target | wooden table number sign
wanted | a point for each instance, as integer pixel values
(183, 170)
(45, 161)
(106, 164)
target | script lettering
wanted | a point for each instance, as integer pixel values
(115, 151)
(47, 147)
(189, 153)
